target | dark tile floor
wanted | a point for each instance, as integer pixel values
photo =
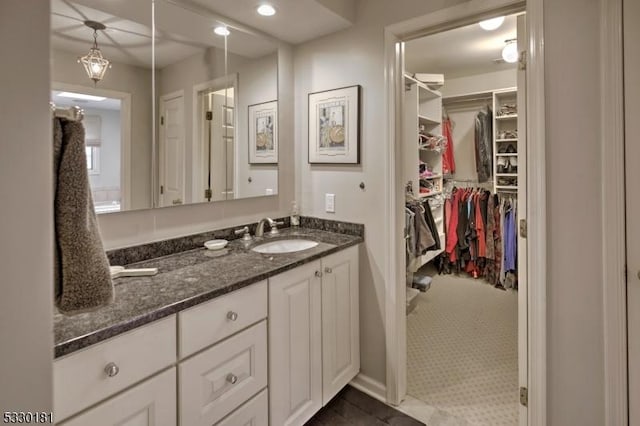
(352, 407)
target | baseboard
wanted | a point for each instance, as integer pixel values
(371, 387)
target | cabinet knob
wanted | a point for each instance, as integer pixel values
(232, 378)
(111, 369)
(318, 274)
(232, 316)
(328, 270)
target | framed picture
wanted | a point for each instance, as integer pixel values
(263, 133)
(334, 126)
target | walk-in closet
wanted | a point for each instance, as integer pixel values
(464, 147)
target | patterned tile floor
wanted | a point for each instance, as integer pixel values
(462, 352)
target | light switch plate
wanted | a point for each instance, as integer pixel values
(330, 203)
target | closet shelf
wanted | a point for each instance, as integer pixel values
(507, 140)
(424, 92)
(506, 117)
(428, 121)
(507, 154)
(507, 174)
(431, 194)
(438, 176)
(506, 187)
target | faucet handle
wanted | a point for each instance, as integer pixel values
(245, 231)
(274, 227)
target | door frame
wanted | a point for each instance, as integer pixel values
(125, 132)
(395, 323)
(161, 134)
(614, 288)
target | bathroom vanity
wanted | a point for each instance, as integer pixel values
(217, 337)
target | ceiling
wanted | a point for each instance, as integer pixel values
(184, 27)
(462, 51)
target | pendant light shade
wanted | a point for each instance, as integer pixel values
(95, 65)
(510, 51)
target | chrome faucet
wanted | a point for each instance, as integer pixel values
(272, 224)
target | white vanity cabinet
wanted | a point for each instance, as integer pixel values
(314, 346)
(87, 377)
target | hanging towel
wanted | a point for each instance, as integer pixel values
(82, 276)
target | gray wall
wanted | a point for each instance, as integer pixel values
(26, 168)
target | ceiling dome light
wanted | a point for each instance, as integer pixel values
(492, 24)
(510, 51)
(222, 31)
(266, 10)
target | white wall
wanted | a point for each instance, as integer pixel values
(479, 83)
(26, 246)
(129, 79)
(575, 370)
(355, 56)
(109, 176)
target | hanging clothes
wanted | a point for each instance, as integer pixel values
(448, 160)
(483, 140)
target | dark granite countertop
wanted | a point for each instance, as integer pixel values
(184, 280)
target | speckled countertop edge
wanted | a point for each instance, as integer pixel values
(73, 333)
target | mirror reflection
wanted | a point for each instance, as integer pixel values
(186, 116)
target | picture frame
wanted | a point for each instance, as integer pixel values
(263, 133)
(334, 126)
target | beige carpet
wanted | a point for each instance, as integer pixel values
(462, 350)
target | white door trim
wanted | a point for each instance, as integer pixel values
(395, 324)
(125, 132)
(613, 214)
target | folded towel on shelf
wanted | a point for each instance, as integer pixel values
(82, 276)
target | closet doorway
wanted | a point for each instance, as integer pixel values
(463, 160)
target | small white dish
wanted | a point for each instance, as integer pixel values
(216, 244)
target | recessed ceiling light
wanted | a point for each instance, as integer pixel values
(80, 96)
(266, 10)
(221, 31)
(510, 51)
(492, 24)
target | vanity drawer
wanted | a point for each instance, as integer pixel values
(82, 379)
(254, 412)
(151, 403)
(210, 322)
(215, 382)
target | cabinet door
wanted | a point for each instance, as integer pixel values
(151, 403)
(340, 321)
(295, 345)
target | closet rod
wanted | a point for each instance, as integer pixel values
(449, 101)
(72, 114)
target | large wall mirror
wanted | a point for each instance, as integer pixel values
(186, 115)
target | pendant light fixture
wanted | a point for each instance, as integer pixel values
(93, 62)
(510, 51)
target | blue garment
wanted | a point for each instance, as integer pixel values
(510, 241)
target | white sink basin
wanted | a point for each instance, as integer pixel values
(284, 246)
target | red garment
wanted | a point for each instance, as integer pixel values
(481, 229)
(448, 161)
(452, 233)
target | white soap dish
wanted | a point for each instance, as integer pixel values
(216, 244)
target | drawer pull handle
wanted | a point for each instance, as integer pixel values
(318, 274)
(111, 369)
(328, 270)
(232, 378)
(232, 316)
